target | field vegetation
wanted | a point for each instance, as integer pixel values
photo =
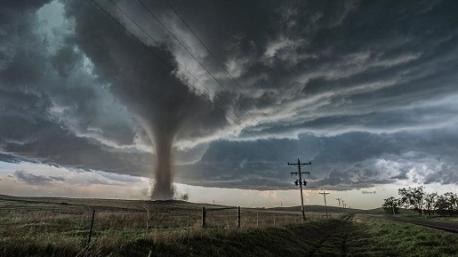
(59, 227)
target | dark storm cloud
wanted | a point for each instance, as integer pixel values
(19, 5)
(42, 81)
(366, 89)
(143, 76)
(32, 179)
(48, 104)
(349, 160)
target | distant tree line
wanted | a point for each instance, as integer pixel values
(415, 198)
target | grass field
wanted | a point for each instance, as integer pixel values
(59, 227)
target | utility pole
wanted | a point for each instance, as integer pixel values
(299, 181)
(325, 205)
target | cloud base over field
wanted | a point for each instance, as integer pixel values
(365, 90)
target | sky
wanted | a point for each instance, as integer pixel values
(95, 95)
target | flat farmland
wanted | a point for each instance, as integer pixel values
(60, 227)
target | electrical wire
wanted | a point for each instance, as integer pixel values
(181, 43)
(193, 32)
(142, 30)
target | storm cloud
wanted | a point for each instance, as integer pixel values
(344, 161)
(366, 90)
(32, 179)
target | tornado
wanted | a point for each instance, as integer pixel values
(163, 188)
(143, 76)
(162, 136)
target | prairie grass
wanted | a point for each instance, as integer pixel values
(137, 228)
(408, 239)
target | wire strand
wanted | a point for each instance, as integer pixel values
(194, 33)
(109, 14)
(181, 43)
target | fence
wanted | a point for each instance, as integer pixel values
(205, 210)
(52, 220)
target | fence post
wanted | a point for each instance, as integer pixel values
(238, 216)
(257, 219)
(147, 221)
(204, 216)
(91, 227)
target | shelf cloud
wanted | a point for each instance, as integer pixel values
(225, 93)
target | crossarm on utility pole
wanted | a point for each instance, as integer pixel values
(338, 200)
(325, 205)
(299, 173)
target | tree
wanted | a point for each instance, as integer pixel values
(447, 203)
(391, 205)
(412, 197)
(430, 202)
(452, 202)
(442, 204)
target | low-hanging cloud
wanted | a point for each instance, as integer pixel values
(371, 81)
(33, 179)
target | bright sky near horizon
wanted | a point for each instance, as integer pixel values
(27, 179)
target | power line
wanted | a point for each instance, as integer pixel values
(175, 11)
(140, 28)
(181, 43)
(185, 47)
(109, 14)
(202, 42)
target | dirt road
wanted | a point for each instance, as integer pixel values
(441, 225)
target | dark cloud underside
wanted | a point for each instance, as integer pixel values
(365, 89)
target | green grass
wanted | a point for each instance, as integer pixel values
(409, 240)
(59, 227)
(299, 240)
(330, 238)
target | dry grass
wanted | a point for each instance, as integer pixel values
(133, 228)
(66, 221)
